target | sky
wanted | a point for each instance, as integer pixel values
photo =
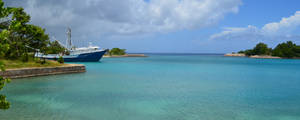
(168, 26)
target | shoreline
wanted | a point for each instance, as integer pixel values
(264, 57)
(234, 55)
(42, 71)
(127, 55)
(254, 56)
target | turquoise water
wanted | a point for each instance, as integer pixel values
(163, 87)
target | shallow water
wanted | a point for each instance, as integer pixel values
(163, 87)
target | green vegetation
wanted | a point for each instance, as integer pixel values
(287, 50)
(4, 104)
(117, 51)
(22, 38)
(259, 49)
(60, 60)
(284, 50)
(4, 47)
(55, 48)
(19, 40)
(14, 64)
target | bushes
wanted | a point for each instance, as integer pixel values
(55, 48)
(241, 52)
(249, 52)
(60, 60)
(284, 50)
(117, 51)
(259, 49)
(25, 57)
(4, 104)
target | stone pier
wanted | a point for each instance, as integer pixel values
(42, 71)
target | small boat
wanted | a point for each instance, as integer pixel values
(83, 54)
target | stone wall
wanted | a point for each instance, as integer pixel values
(32, 72)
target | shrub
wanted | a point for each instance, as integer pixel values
(286, 50)
(55, 48)
(261, 49)
(4, 104)
(25, 57)
(43, 61)
(241, 52)
(60, 60)
(117, 51)
(249, 52)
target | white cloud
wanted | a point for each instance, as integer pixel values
(238, 31)
(96, 18)
(276, 31)
(50, 16)
(286, 25)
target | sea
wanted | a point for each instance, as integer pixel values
(162, 87)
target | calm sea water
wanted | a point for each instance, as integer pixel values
(163, 87)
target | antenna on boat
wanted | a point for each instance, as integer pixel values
(69, 41)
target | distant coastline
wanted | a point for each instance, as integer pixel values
(126, 55)
(235, 55)
(253, 56)
(286, 50)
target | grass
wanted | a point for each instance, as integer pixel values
(13, 64)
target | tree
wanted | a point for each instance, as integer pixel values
(60, 60)
(17, 39)
(4, 12)
(37, 38)
(286, 50)
(117, 51)
(23, 37)
(261, 49)
(241, 52)
(4, 47)
(296, 49)
(249, 52)
(4, 104)
(55, 48)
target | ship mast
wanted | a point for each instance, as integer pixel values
(69, 41)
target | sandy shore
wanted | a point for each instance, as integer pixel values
(265, 57)
(235, 55)
(254, 56)
(127, 55)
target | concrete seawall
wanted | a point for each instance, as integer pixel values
(43, 71)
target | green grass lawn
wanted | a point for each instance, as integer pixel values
(12, 64)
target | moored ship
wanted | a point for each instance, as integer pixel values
(83, 54)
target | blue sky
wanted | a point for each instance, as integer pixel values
(260, 12)
(169, 26)
(251, 12)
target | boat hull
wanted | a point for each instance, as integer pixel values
(84, 57)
